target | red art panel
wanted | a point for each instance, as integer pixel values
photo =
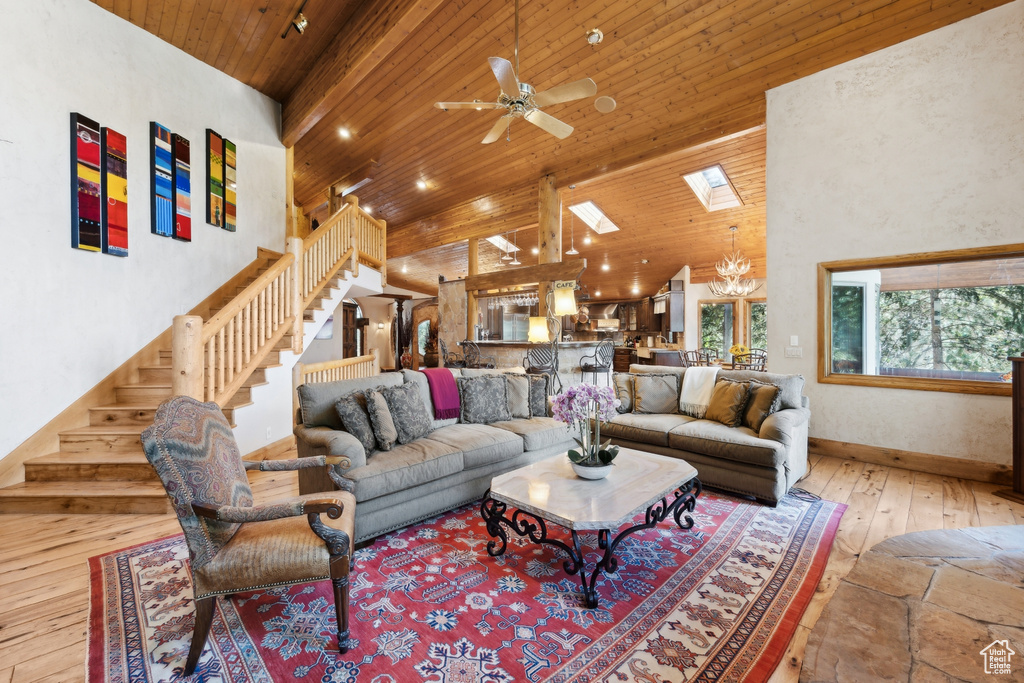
(86, 210)
(115, 193)
(182, 189)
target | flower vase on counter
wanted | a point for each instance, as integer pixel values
(406, 359)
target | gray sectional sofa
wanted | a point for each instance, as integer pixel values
(765, 464)
(451, 465)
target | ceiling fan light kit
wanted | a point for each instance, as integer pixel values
(521, 100)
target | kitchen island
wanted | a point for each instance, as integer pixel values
(658, 356)
(509, 354)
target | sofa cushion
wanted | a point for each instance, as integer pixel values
(538, 395)
(538, 432)
(405, 466)
(517, 391)
(764, 400)
(407, 411)
(316, 400)
(728, 401)
(384, 429)
(655, 394)
(792, 386)
(485, 372)
(652, 429)
(483, 399)
(716, 440)
(420, 380)
(480, 444)
(622, 382)
(356, 419)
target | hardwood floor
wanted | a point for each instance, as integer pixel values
(44, 576)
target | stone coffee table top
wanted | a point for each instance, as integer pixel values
(922, 607)
(550, 489)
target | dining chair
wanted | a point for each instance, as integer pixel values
(599, 362)
(756, 359)
(692, 359)
(471, 352)
(236, 546)
(450, 359)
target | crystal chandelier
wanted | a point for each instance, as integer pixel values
(731, 270)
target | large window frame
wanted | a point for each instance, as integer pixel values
(826, 270)
(736, 322)
(748, 306)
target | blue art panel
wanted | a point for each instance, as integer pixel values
(163, 181)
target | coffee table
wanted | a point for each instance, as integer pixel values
(549, 491)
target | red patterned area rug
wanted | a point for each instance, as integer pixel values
(717, 603)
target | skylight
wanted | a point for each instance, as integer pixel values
(503, 244)
(713, 188)
(594, 217)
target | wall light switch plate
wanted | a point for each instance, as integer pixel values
(794, 340)
(794, 352)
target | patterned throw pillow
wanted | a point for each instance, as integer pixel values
(728, 402)
(484, 399)
(655, 393)
(408, 411)
(380, 417)
(764, 400)
(356, 420)
(538, 395)
(518, 393)
(623, 383)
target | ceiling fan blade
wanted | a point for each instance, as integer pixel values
(467, 105)
(549, 123)
(566, 93)
(502, 69)
(496, 131)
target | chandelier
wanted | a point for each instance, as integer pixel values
(731, 270)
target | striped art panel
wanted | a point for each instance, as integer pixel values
(162, 209)
(215, 173)
(85, 183)
(230, 220)
(114, 233)
(182, 189)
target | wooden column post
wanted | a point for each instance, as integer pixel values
(187, 357)
(295, 249)
(333, 201)
(291, 225)
(1016, 494)
(472, 268)
(384, 253)
(549, 231)
(356, 238)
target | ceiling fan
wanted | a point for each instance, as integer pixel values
(520, 100)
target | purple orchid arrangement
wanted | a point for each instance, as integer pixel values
(584, 407)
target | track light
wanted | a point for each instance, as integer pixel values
(299, 23)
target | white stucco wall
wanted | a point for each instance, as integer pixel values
(73, 316)
(919, 147)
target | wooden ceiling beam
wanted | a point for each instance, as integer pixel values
(375, 31)
(543, 272)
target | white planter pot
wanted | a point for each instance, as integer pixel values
(591, 472)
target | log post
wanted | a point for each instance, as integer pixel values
(472, 268)
(291, 225)
(353, 218)
(333, 201)
(295, 249)
(187, 357)
(296, 383)
(549, 232)
(376, 360)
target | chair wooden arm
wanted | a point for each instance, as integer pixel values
(262, 513)
(297, 463)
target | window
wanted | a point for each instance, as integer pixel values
(717, 326)
(713, 188)
(593, 217)
(941, 321)
(422, 335)
(757, 324)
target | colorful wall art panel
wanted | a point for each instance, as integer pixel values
(230, 221)
(162, 209)
(114, 185)
(182, 189)
(85, 183)
(215, 173)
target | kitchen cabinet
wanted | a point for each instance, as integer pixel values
(623, 357)
(643, 316)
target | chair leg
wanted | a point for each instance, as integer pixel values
(204, 618)
(339, 578)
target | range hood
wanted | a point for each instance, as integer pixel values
(603, 311)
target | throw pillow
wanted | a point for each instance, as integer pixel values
(538, 395)
(655, 393)
(728, 402)
(356, 420)
(764, 400)
(484, 399)
(380, 417)
(518, 394)
(623, 383)
(408, 411)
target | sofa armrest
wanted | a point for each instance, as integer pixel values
(313, 441)
(782, 426)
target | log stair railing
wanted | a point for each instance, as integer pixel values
(219, 355)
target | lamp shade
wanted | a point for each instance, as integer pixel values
(538, 330)
(564, 298)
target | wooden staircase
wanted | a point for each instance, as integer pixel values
(101, 467)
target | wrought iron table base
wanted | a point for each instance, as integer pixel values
(527, 524)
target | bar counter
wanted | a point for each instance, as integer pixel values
(509, 354)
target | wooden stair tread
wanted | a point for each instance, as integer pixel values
(99, 430)
(43, 489)
(114, 458)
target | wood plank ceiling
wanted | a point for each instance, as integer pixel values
(684, 74)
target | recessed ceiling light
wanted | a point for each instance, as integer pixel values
(605, 266)
(405, 268)
(345, 133)
(368, 209)
(586, 240)
(421, 184)
(597, 293)
(535, 251)
(595, 36)
(636, 290)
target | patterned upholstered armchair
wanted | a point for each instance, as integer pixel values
(236, 546)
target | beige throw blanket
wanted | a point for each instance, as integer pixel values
(698, 385)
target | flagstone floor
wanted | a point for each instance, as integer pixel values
(44, 577)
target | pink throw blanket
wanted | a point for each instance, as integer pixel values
(443, 392)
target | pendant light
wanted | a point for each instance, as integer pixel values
(572, 223)
(731, 270)
(505, 256)
(515, 252)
